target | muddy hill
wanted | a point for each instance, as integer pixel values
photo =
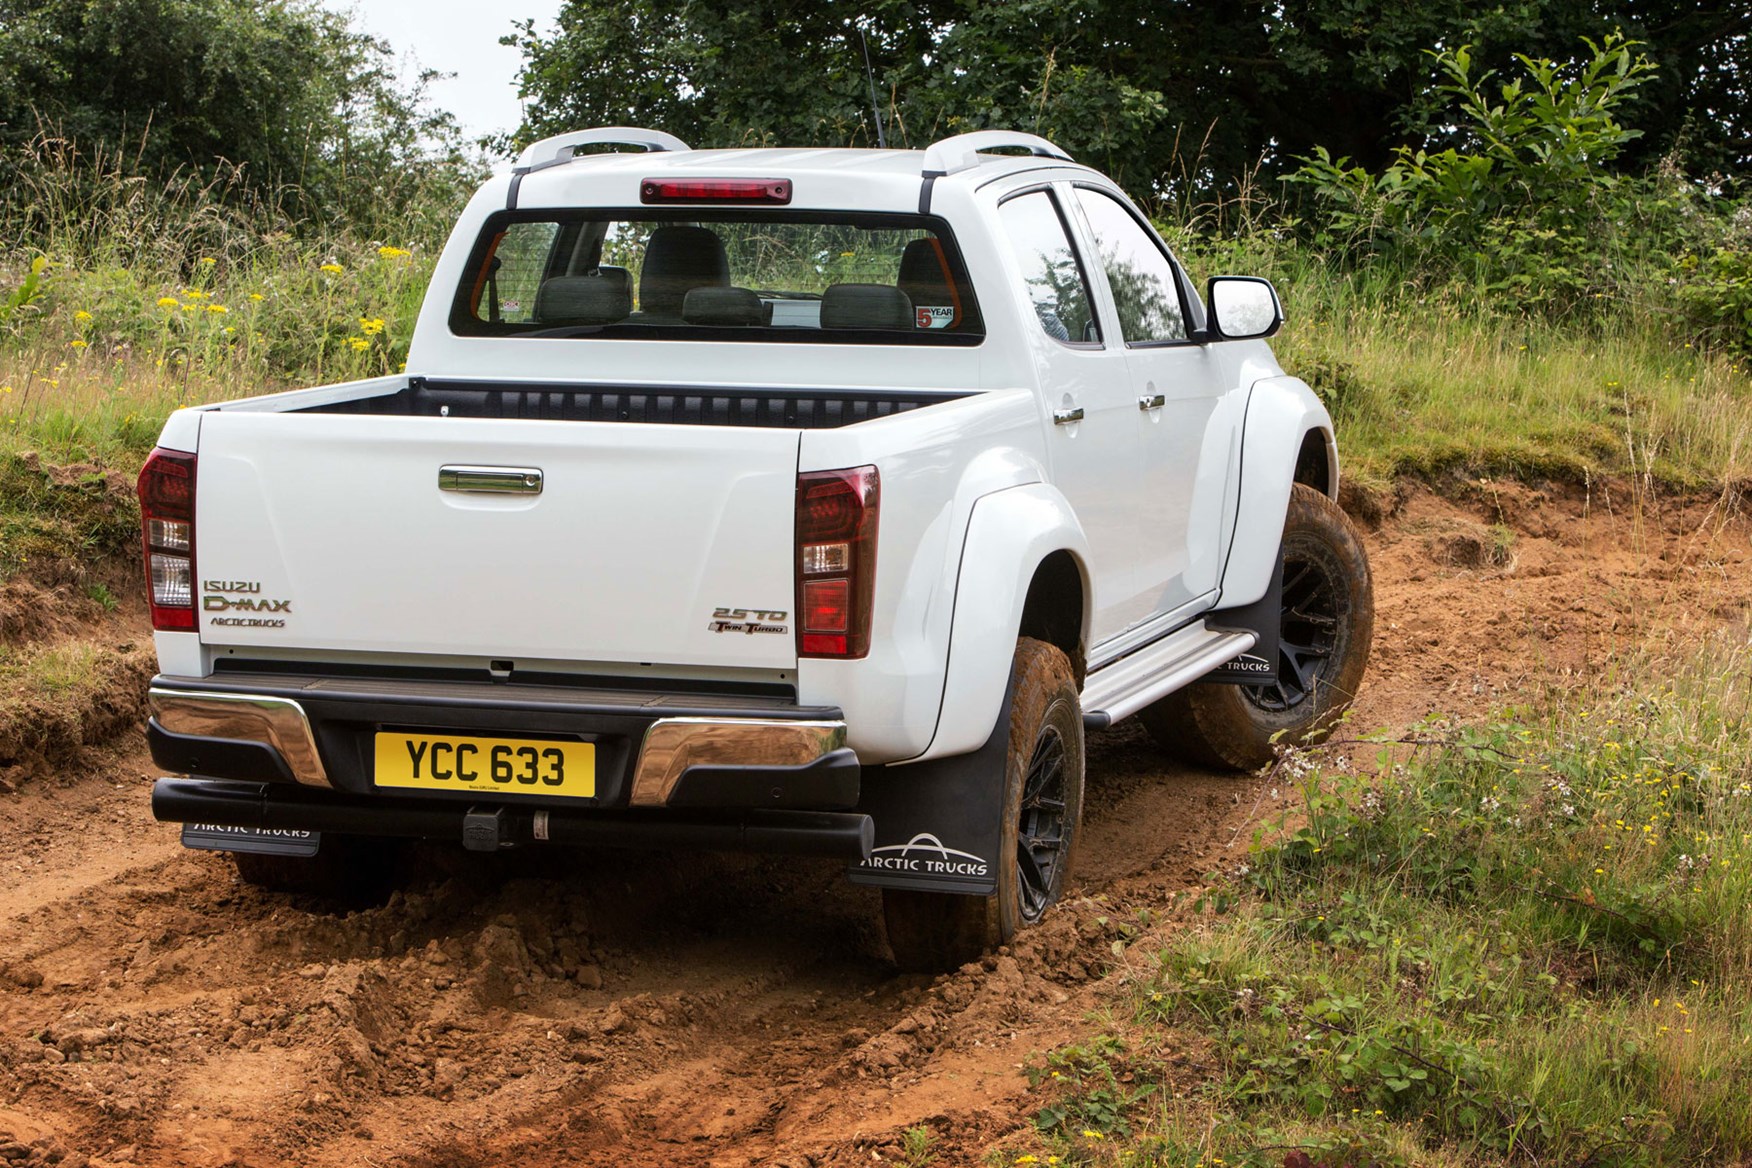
(637, 1009)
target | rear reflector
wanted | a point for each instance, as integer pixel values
(167, 528)
(768, 191)
(826, 606)
(836, 561)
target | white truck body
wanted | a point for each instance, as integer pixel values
(324, 548)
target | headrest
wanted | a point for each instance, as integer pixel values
(599, 299)
(678, 259)
(922, 274)
(723, 306)
(865, 306)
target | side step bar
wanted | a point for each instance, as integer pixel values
(1134, 681)
(279, 806)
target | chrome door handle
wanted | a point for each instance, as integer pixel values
(1152, 401)
(495, 480)
(1066, 417)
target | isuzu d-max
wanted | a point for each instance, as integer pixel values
(808, 501)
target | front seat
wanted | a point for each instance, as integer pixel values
(678, 259)
(924, 277)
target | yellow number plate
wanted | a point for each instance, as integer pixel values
(493, 766)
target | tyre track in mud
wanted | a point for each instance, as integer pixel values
(636, 1008)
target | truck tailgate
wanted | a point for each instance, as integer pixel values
(331, 532)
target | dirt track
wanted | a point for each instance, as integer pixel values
(642, 1009)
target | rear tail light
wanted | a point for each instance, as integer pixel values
(167, 525)
(836, 560)
(767, 191)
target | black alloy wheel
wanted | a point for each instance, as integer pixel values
(1328, 620)
(1040, 832)
(1308, 636)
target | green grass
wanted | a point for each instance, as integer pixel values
(1433, 380)
(132, 298)
(1529, 942)
(55, 523)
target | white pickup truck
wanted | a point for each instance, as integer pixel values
(808, 501)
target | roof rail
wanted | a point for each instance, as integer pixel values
(962, 151)
(563, 147)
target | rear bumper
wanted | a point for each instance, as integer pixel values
(654, 750)
(275, 807)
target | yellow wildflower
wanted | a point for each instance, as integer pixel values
(360, 344)
(332, 269)
(217, 308)
(82, 315)
(392, 253)
(194, 294)
(370, 326)
(208, 261)
(167, 302)
(76, 344)
(1092, 1134)
(257, 296)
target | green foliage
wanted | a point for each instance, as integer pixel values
(1715, 289)
(1167, 97)
(917, 1147)
(274, 100)
(1516, 205)
(24, 297)
(55, 521)
(1520, 942)
(1097, 1089)
(102, 597)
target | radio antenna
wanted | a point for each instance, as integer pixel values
(875, 109)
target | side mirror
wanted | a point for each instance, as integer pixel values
(1243, 307)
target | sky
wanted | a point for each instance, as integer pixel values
(460, 37)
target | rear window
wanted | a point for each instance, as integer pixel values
(711, 275)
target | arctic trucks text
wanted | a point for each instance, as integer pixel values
(804, 501)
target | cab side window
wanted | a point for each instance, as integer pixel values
(1051, 274)
(1141, 276)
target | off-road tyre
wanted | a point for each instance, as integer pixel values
(932, 932)
(346, 870)
(1328, 622)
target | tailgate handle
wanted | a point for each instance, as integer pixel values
(493, 480)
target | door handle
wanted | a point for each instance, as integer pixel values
(495, 480)
(1067, 416)
(1152, 401)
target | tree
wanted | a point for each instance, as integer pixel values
(1162, 93)
(285, 90)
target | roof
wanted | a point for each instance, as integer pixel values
(822, 177)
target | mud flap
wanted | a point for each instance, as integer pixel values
(939, 824)
(1264, 618)
(217, 837)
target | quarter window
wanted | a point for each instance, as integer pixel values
(1140, 275)
(1051, 274)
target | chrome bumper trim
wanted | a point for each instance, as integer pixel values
(279, 722)
(674, 744)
